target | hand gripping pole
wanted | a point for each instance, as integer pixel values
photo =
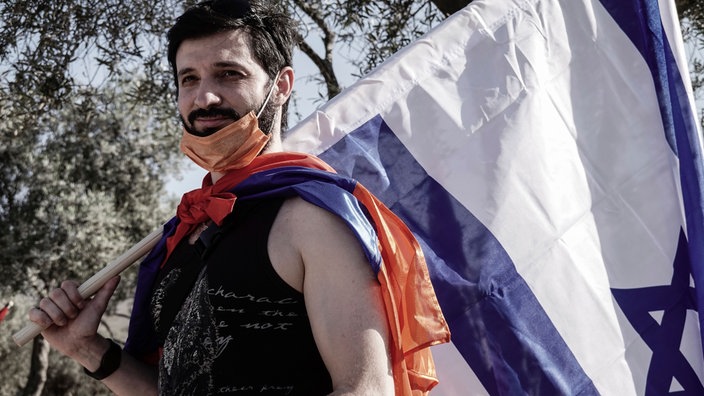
(95, 282)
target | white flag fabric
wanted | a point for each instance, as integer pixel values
(546, 155)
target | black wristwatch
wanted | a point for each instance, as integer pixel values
(109, 363)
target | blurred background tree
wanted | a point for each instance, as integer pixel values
(691, 14)
(89, 136)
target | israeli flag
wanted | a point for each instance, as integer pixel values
(547, 157)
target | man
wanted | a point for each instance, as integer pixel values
(267, 280)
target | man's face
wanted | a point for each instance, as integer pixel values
(218, 82)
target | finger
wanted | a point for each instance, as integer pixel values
(61, 299)
(40, 317)
(54, 313)
(70, 287)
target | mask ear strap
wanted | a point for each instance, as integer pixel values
(268, 96)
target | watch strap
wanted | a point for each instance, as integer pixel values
(109, 363)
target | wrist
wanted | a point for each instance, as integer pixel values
(109, 362)
(90, 351)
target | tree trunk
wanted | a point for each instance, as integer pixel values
(38, 369)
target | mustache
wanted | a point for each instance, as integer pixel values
(213, 112)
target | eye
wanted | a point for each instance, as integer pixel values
(185, 80)
(231, 74)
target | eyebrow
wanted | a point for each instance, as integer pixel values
(184, 71)
(220, 65)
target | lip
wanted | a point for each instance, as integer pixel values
(211, 122)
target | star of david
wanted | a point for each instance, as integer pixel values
(664, 338)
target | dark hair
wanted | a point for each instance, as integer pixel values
(271, 32)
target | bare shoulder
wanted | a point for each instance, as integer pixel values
(320, 242)
(306, 238)
(306, 221)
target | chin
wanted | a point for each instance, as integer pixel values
(204, 132)
(210, 131)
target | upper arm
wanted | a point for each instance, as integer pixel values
(344, 303)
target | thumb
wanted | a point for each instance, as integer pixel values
(100, 301)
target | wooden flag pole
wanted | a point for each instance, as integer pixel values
(95, 282)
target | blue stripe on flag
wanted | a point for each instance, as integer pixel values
(497, 323)
(641, 21)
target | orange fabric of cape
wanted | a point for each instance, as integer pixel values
(415, 319)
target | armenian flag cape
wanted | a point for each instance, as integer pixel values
(413, 313)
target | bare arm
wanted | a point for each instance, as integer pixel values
(72, 330)
(343, 301)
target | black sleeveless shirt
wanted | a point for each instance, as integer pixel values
(228, 323)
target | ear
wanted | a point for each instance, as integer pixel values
(284, 86)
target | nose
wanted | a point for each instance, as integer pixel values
(208, 95)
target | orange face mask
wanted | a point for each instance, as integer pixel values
(232, 147)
